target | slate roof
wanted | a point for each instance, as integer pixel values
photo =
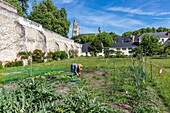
(159, 34)
(125, 45)
(126, 39)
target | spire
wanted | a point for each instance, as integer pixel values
(76, 29)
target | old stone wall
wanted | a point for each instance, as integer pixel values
(20, 34)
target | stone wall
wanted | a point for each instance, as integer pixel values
(20, 34)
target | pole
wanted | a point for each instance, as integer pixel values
(31, 66)
(151, 68)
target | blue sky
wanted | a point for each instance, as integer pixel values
(117, 16)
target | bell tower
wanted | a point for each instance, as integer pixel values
(76, 29)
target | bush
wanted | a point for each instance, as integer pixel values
(1, 65)
(38, 56)
(24, 55)
(57, 55)
(14, 64)
(63, 55)
(73, 53)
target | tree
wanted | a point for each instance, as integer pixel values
(149, 44)
(50, 17)
(127, 33)
(167, 48)
(24, 5)
(95, 46)
(16, 4)
(105, 38)
(113, 35)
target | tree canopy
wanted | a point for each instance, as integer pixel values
(105, 38)
(145, 30)
(95, 46)
(47, 14)
(16, 4)
(149, 44)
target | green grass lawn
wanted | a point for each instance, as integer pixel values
(105, 64)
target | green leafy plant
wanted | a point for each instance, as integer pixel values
(81, 101)
(29, 95)
(38, 56)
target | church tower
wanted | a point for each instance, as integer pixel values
(76, 29)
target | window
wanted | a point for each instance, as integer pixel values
(130, 48)
(117, 48)
(123, 48)
(162, 40)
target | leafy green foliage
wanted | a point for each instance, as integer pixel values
(73, 53)
(1, 65)
(82, 101)
(16, 4)
(50, 17)
(13, 63)
(38, 56)
(149, 44)
(24, 5)
(105, 38)
(59, 55)
(95, 46)
(108, 53)
(24, 55)
(145, 30)
(30, 95)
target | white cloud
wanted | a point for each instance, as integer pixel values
(90, 19)
(65, 1)
(137, 11)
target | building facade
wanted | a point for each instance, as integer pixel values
(126, 44)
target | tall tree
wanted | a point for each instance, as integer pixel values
(24, 5)
(16, 4)
(50, 17)
(95, 46)
(149, 44)
(105, 38)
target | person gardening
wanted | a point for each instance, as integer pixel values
(76, 69)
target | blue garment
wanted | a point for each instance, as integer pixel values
(74, 68)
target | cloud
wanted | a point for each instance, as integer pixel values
(90, 19)
(65, 1)
(137, 11)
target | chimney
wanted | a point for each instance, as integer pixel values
(133, 38)
(169, 34)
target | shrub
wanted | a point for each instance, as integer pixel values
(1, 65)
(63, 55)
(24, 55)
(38, 56)
(56, 55)
(14, 64)
(73, 53)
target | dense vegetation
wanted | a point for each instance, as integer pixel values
(16, 4)
(47, 14)
(145, 30)
(119, 83)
